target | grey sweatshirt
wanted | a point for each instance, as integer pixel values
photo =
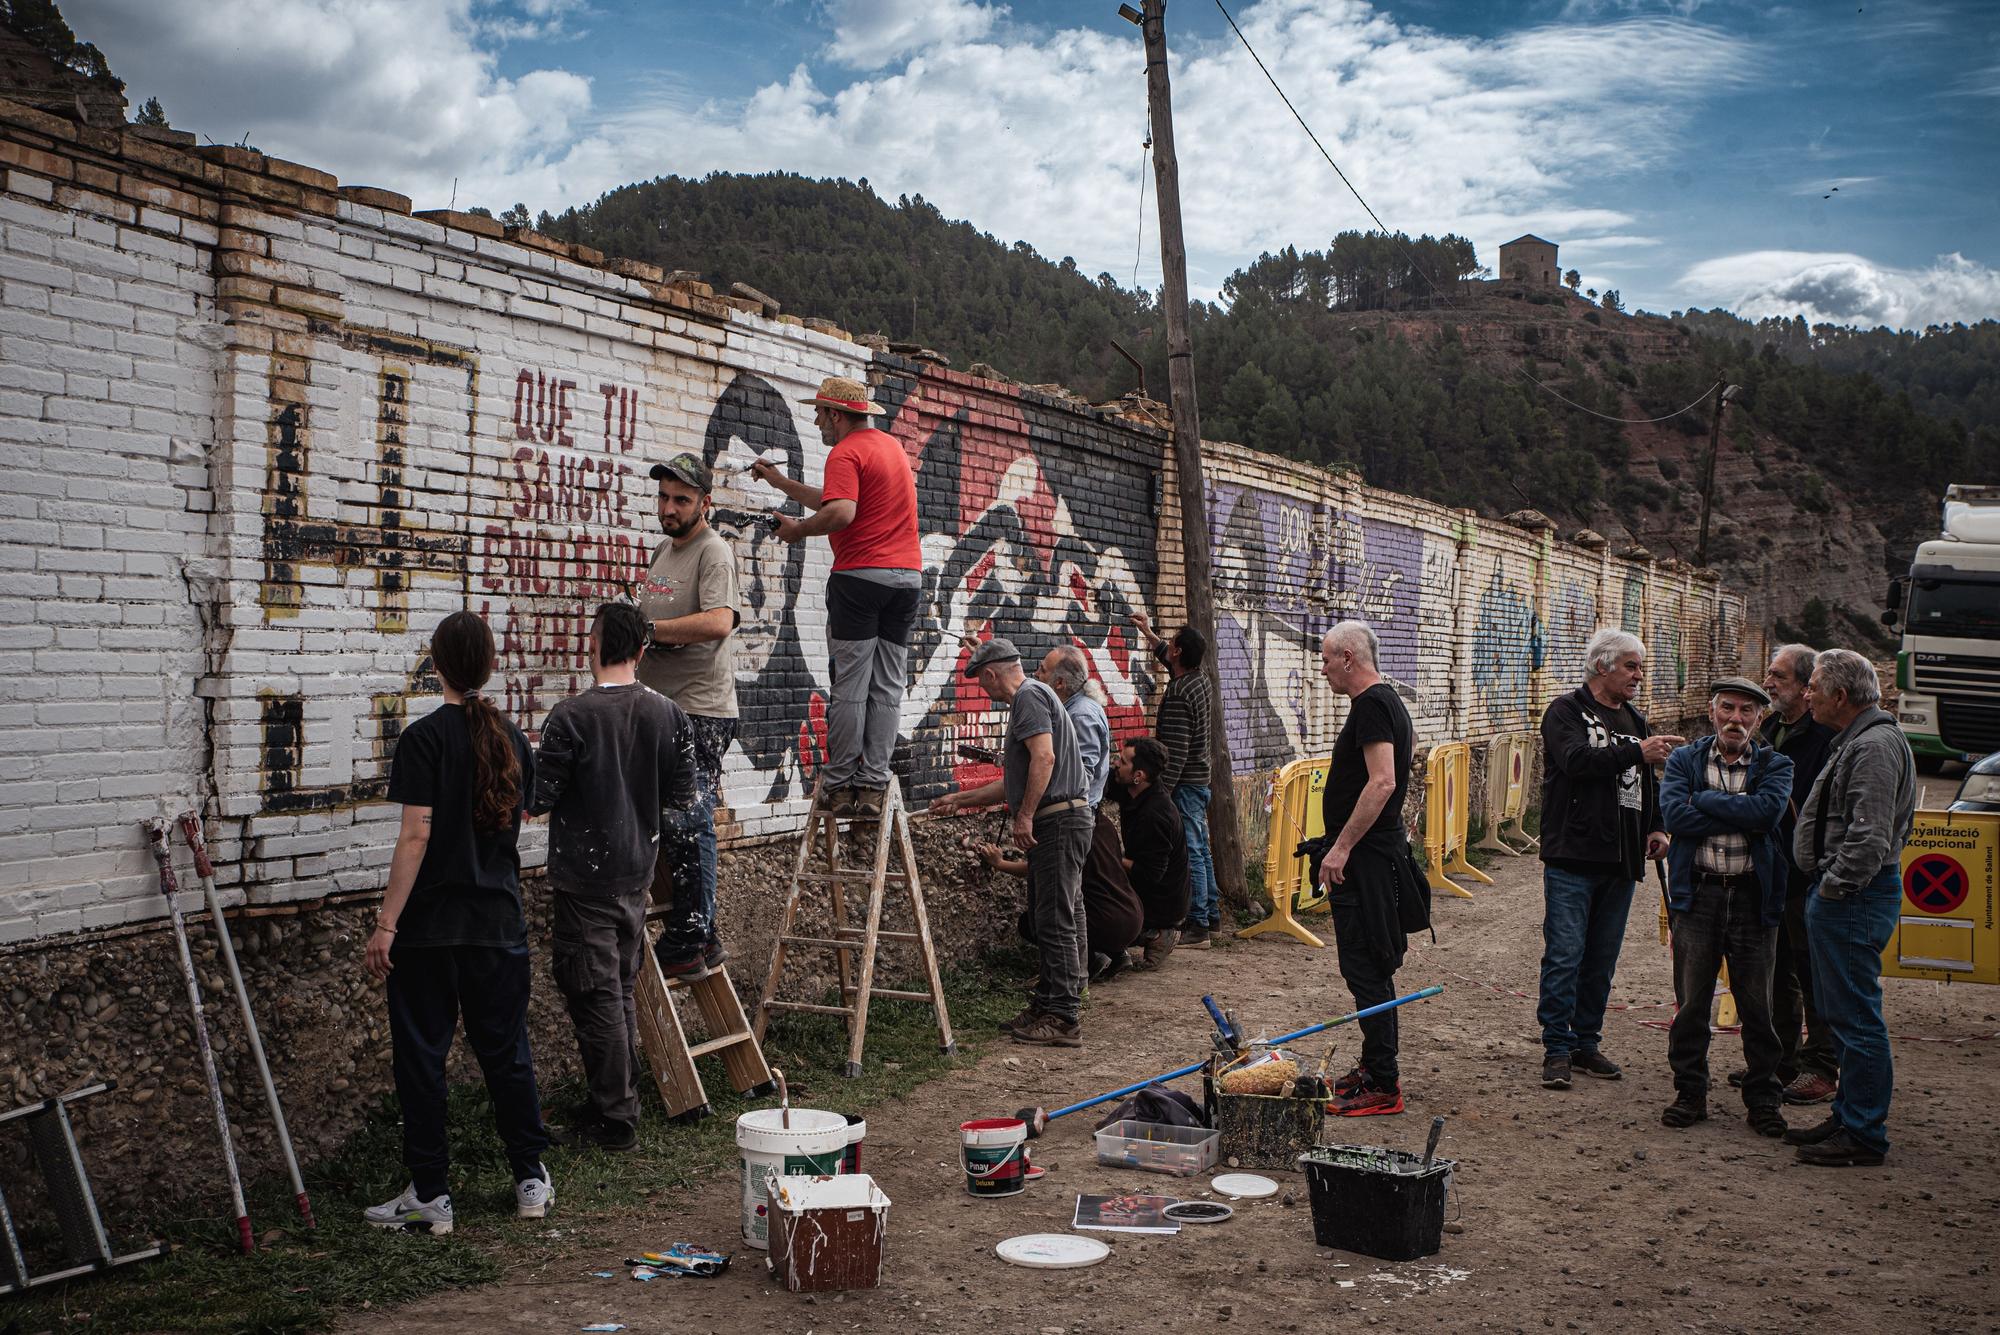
(1870, 787)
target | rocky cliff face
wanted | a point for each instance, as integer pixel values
(1780, 532)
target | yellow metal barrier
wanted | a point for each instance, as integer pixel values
(1507, 761)
(1448, 775)
(1296, 791)
(1951, 890)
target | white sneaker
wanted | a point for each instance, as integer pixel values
(411, 1215)
(534, 1196)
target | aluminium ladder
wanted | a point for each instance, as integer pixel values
(855, 945)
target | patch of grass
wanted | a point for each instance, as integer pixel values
(300, 1281)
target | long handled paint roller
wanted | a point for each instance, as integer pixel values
(1038, 1119)
(191, 831)
(157, 832)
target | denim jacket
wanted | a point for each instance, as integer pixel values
(1691, 811)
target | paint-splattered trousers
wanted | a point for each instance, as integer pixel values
(1055, 898)
(868, 629)
(687, 848)
(598, 945)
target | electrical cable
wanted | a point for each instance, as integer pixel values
(1551, 391)
(1139, 241)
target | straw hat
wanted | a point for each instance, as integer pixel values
(850, 396)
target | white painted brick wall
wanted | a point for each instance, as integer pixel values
(147, 480)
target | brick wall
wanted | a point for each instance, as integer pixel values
(1482, 622)
(260, 432)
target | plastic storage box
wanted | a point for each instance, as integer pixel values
(1157, 1147)
(1381, 1203)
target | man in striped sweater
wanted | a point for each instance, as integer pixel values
(1182, 728)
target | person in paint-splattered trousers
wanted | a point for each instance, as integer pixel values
(689, 599)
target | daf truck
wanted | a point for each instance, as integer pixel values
(1948, 667)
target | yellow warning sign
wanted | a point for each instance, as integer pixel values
(1951, 881)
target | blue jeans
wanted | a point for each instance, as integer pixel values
(1191, 799)
(1846, 937)
(1583, 926)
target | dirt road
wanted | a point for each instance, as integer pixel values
(1579, 1210)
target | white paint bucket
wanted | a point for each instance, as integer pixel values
(812, 1146)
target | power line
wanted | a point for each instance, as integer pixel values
(1139, 241)
(1411, 256)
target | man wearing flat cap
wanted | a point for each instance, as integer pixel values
(1723, 799)
(689, 600)
(1044, 785)
(866, 505)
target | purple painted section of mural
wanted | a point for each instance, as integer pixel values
(1287, 569)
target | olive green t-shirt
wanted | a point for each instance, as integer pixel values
(700, 678)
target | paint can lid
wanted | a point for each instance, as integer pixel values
(1198, 1212)
(1244, 1186)
(1052, 1251)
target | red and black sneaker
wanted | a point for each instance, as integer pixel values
(1370, 1100)
(1350, 1084)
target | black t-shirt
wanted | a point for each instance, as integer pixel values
(1376, 716)
(468, 889)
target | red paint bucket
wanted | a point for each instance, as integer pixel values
(993, 1151)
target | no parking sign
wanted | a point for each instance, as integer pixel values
(1947, 929)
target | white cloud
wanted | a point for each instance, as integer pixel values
(1847, 289)
(1031, 134)
(869, 34)
(396, 93)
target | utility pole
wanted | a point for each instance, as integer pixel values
(1224, 829)
(1723, 394)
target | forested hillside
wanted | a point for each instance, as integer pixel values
(1391, 354)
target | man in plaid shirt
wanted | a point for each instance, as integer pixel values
(1722, 799)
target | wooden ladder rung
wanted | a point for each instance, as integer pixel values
(809, 1008)
(859, 874)
(894, 995)
(718, 1044)
(824, 943)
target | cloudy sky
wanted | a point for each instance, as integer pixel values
(1683, 152)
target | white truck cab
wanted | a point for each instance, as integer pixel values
(1948, 668)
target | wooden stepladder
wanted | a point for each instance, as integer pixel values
(665, 1041)
(855, 944)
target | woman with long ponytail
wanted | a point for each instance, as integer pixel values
(451, 940)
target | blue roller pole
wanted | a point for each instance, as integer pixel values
(1037, 1119)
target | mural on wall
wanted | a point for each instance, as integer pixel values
(1508, 646)
(1038, 545)
(1572, 621)
(1013, 541)
(1287, 569)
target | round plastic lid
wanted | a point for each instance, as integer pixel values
(1052, 1251)
(1198, 1212)
(1244, 1186)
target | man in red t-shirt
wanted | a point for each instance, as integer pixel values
(867, 508)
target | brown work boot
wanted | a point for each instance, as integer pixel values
(1049, 1031)
(867, 804)
(1026, 1016)
(1809, 1087)
(1194, 937)
(839, 801)
(1161, 946)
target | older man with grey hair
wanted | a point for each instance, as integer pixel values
(1374, 888)
(1851, 832)
(1600, 825)
(1066, 672)
(1805, 1066)
(1042, 783)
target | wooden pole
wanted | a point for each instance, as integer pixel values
(1224, 829)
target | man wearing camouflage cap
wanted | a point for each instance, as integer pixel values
(690, 602)
(1722, 799)
(866, 506)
